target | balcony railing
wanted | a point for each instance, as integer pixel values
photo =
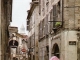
(56, 25)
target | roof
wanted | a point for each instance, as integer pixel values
(22, 36)
(13, 29)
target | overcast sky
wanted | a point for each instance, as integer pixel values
(19, 12)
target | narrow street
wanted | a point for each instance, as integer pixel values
(40, 30)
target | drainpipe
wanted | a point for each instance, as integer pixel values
(78, 52)
(62, 11)
(49, 46)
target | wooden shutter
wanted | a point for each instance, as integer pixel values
(51, 19)
(46, 25)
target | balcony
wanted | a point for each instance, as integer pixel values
(56, 25)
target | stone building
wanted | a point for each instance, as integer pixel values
(32, 27)
(64, 42)
(13, 41)
(58, 29)
(63, 28)
(5, 19)
(17, 43)
(12, 29)
(22, 49)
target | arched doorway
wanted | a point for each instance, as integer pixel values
(13, 43)
(55, 50)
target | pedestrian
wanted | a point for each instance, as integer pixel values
(54, 58)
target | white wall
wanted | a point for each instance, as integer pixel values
(68, 52)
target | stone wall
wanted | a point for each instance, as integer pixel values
(66, 33)
(71, 14)
(4, 35)
(68, 51)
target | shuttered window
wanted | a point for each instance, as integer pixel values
(54, 14)
(51, 19)
(32, 40)
(29, 42)
(40, 30)
(43, 26)
(39, 6)
(46, 26)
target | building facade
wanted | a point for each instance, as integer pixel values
(22, 49)
(58, 29)
(32, 27)
(13, 41)
(17, 43)
(5, 19)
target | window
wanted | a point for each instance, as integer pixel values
(33, 20)
(40, 30)
(47, 5)
(43, 26)
(46, 25)
(43, 7)
(39, 6)
(56, 15)
(51, 19)
(28, 25)
(33, 40)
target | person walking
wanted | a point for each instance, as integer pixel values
(54, 58)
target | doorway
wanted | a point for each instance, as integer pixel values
(55, 50)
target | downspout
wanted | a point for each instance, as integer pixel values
(62, 11)
(0, 29)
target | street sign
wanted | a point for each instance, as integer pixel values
(23, 50)
(72, 42)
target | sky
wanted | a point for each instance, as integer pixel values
(19, 13)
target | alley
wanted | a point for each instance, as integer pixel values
(52, 26)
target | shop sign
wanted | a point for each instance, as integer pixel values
(72, 42)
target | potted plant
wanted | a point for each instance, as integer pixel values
(57, 24)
